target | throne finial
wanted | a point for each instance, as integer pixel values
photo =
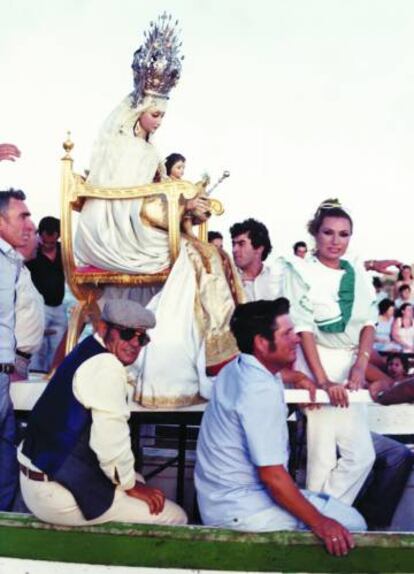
(68, 146)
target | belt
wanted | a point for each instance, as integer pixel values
(7, 368)
(34, 474)
(24, 355)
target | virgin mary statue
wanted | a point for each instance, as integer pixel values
(194, 306)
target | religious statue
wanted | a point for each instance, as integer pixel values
(194, 306)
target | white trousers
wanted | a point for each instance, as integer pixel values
(51, 502)
(56, 322)
(340, 449)
(277, 518)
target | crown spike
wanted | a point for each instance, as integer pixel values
(157, 63)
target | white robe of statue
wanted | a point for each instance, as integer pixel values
(111, 235)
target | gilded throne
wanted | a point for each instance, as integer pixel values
(87, 282)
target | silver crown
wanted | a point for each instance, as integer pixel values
(157, 63)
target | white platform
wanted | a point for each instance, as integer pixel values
(397, 419)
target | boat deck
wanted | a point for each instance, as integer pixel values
(197, 547)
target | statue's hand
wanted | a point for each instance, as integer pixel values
(199, 209)
(198, 203)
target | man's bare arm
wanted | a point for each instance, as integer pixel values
(382, 265)
(337, 539)
(9, 151)
(400, 393)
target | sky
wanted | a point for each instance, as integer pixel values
(301, 100)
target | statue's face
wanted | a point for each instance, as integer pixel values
(177, 170)
(151, 120)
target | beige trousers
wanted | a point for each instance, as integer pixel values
(51, 502)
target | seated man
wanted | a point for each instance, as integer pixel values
(242, 452)
(76, 462)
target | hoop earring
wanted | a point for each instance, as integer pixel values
(139, 131)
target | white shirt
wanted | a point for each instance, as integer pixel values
(100, 384)
(267, 285)
(313, 291)
(30, 315)
(398, 302)
(10, 265)
(244, 427)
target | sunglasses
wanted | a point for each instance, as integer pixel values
(127, 334)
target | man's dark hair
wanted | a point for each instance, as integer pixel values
(384, 305)
(7, 195)
(404, 287)
(214, 235)
(49, 225)
(401, 357)
(256, 318)
(299, 244)
(257, 233)
(376, 281)
(400, 311)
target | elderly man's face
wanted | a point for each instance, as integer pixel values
(126, 351)
(15, 223)
(29, 250)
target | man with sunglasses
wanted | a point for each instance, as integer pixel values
(76, 461)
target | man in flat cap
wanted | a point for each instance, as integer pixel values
(76, 462)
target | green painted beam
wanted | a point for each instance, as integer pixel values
(198, 548)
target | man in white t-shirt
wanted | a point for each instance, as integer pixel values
(251, 247)
(242, 450)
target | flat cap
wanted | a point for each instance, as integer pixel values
(127, 313)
